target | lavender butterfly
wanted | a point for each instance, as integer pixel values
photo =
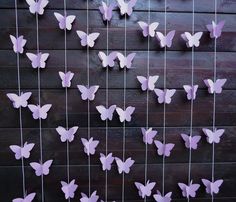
(106, 113)
(66, 78)
(41, 168)
(215, 29)
(126, 61)
(18, 43)
(106, 10)
(93, 198)
(87, 39)
(145, 190)
(164, 96)
(192, 40)
(28, 198)
(126, 7)
(67, 135)
(215, 87)
(19, 100)
(191, 142)
(148, 29)
(22, 152)
(124, 166)
(191, 91)
(38, 60)
(87, 93)
(159, 198)
(148, 83)
(65, 22)
(40, 112)
(212, 187)
(189, 190)
(164, 149)
(106, 161)
(125, 115)
(89, 145)
(107, 60)
(213, 136)
(165, 40)
(37, 6)
(148, 135)
(69, 189)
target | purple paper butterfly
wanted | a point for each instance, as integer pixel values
(87, 93)
(65, 22)
(215, 29)
(41, 168)
(126, 7)
(125, 115)
(19, 100)
(191, 142)
(37, 6)
(124, 166)
(87, 39)
(107, 60)
(106, 113)
(164, 149)
(89, 145)
(18, 43)
(148, 83)
(93, 198)
(67, 135)
(148, 29)
(192, 40)
(189, 190)
(145, 190)
(165, 40)
(148, 135)
(66, 78)
(106, 10)
(22, 151)
(213, 136)
(69, 189)
(38, 60)
(191, 91)
(126, 61)
(159, 198)
(212, 187)
(27, 198)
(215, 87)
(106, 161)
(164, 96)
(39, 112)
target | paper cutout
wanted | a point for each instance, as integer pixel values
(69, 189)
(192, 40)
(106, 161)
(19, 101)
(215, 29)
(215, 87)
(164, 149)
(145, 190)
(164, 96)
(107, 60)
(89, 145)
(165, 40)
(106, 113)
(87, 93)
(18, 43)
(126, 7)
(66, 78)
(40, 112)
(22, 151)
(67, 135)
(65, 22)
(106, 10)
(148, 135)
(93, 198)
(125, 61)
(125, 115)
(124, 166)
(159, 198)
(148, 29)
(41, 168)
(189, 190)
(191, 142)
(212, 187)
(27, 198)
(87, 39)
(37, 6)
(148, 83)
(191, 91)
(213, 136)
(38, 60)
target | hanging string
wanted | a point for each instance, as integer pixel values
(19, 92)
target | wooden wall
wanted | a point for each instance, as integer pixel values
(51, 39)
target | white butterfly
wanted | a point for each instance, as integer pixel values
(164, 96)
(125, 115)
(41, 168)
(37, 6)
(19, 100)
(126, 61)
(65, 22)
(106, 113)
(22, 151)
(67, 135)
(166, 40)
(107, 60)
(213, 136)
(148, 29)
(148, 83)
(40, 112)
(66, 78)
(18, 43)
(87, 93)
(27, 198)
(126, 7)
(38, 60)
(87, 39)
(192, 40)
(215, 87)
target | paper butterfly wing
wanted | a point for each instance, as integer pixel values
(194, 141)
(218, 29)
(33, 58)
(207, 184)
(145, 28)
(91, 39)
(130, 6)
(143, 81)
(62, 132)
(160, 94)
(169, 38)
(17, 150)
(83, 37)
(192, 189)
(147, 190)
(183, 187)
(46, 166)
(37, 168)
(43, 111)
(151, 28)
(168, 148)
(168, 95)
(215, 186)
(129, 60)
(69, 20)
(151, 82)
(61, 19)
(219, 84)
(24, 98)
(26, 150)
(35, 110)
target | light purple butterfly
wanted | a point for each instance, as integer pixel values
(124, 166)
(87, 93)
(22, 151)
(39, 112)
(41, 168)
(215, 87)
(191, 142)
(65, 22)
(27, 198)
(159, 198)
(148, 83)
(215, 29)
(164, 149)
(106, 113)
(89, 145)
(38, 60)
(107, 60)
(212, 187)
(165, 40)
(126, 61)
(213, 136)
(164, 96)
(191, 91)
(148, 29)
(37, 6)
(19, 101)
(106, 10)
(125, 115)
(69, 189)
(67, 135)
(18, 43)
(192, 40)
(148, 135)
(189, 190)
(93, 198)
(106, 161)
(145, 190)
(66, 78)
(87, 39)
(126, 7)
